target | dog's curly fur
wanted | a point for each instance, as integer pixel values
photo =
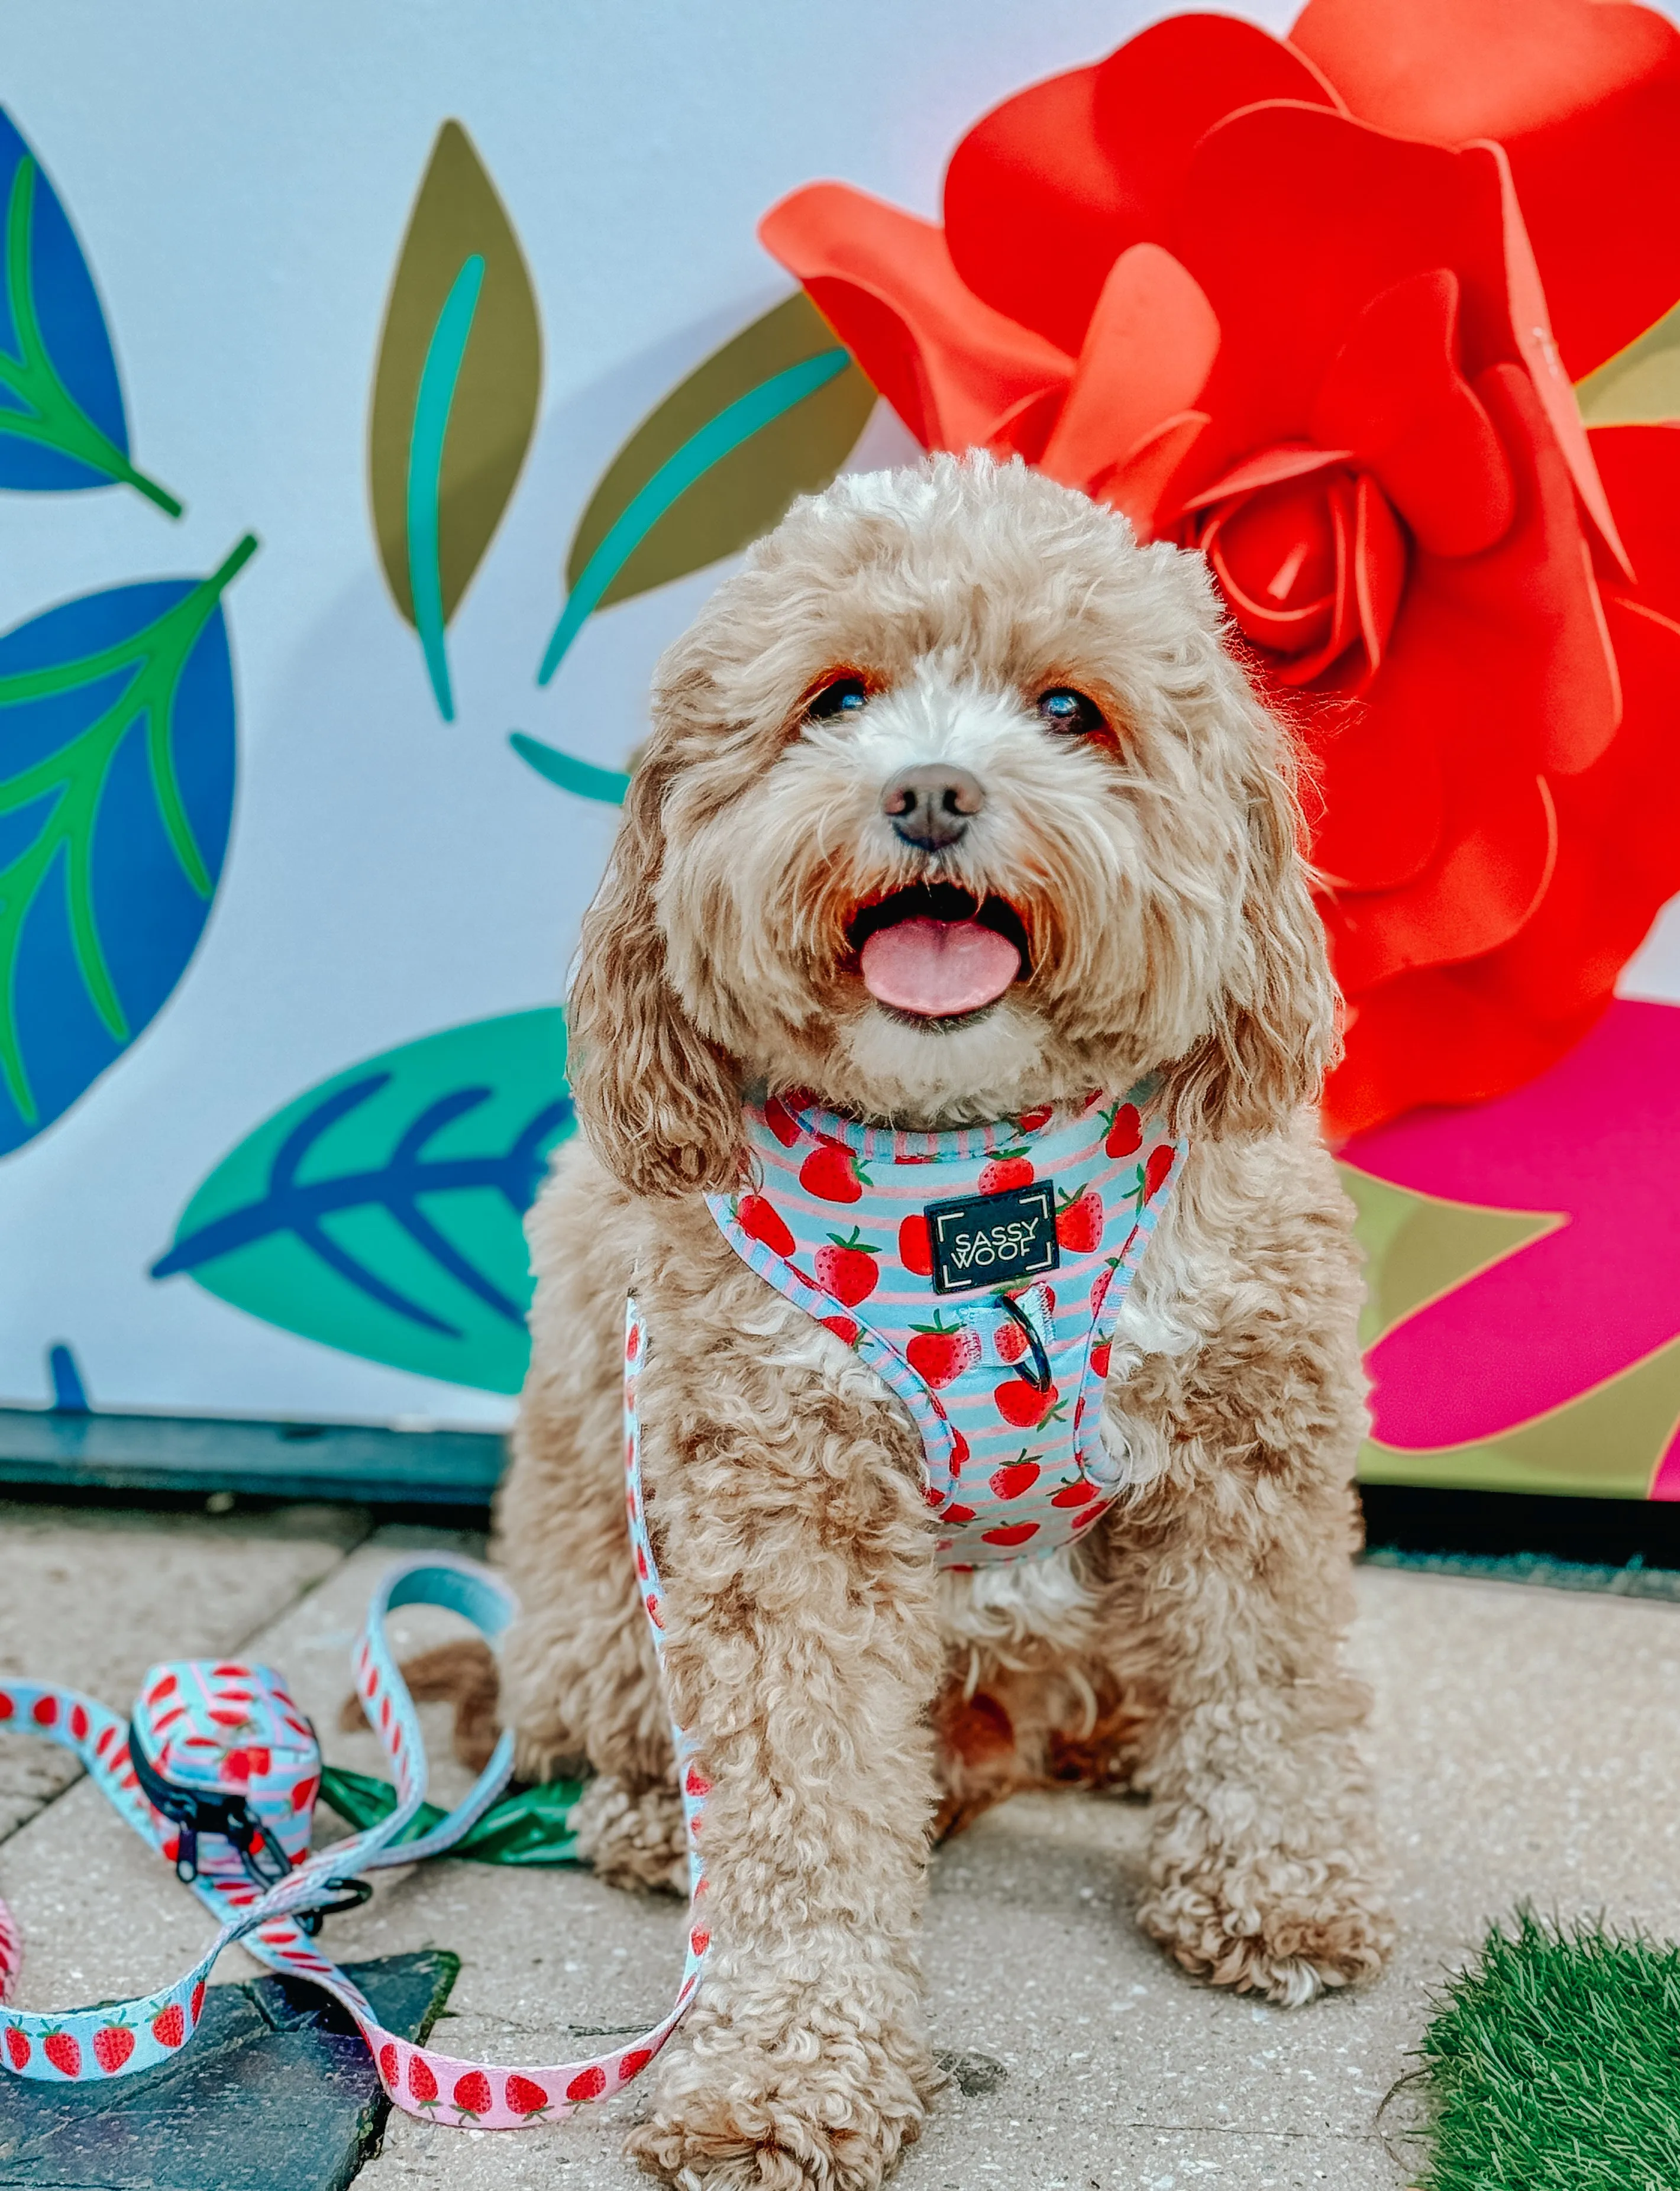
(847, 1697)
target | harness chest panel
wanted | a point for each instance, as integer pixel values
(979, 1273)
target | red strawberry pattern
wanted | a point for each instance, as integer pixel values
(422, 2083)
(761, 1221)
(939, 1353)
(832, 1173)
(472, 2094)
(1013, 1168)
(168, 2026)
(1010, 1533)
(1014, 1481)
(781, 1121)
(1160, 1163)
(1078, 1223)
(17, 2048)
(1125, 1130)
(525, 2097)
(588, 2085)
(916, 1247)
(64, 2052)
(1020, 1403)
(847, 1266)
(1075, 1494)
(1009, 1342)
(113, 2043)
(968, 1371)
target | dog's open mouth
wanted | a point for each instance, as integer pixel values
(937, 952)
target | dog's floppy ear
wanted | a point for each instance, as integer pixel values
(1277, 1030)
(657, 1102)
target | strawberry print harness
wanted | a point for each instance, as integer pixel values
(979, 1271)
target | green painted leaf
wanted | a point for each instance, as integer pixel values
(773, 415)
(381, 1212)
(455, 393)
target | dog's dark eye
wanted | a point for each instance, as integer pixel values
(1064, 710)
(844, 696)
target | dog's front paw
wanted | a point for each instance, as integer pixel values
(1288, 1924)
(819, 2106)
(632, 1839)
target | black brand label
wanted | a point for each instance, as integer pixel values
(989, 1240)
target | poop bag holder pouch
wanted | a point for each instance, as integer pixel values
(222, 1752)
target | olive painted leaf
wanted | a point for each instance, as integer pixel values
(117, 776)
(381, 1212)
(455, 395)
(1640, 385)
(62, 426)
(771, 416)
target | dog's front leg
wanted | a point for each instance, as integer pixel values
(801, 1653)
(1233, 1597)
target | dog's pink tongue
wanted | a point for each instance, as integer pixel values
(939, 968)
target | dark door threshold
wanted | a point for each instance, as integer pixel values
(74, 1449)
(1602, 1533)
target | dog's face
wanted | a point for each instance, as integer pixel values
(954, 804)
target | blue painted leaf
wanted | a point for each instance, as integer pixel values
(381, 1213)
(62, 422)
(116, 773)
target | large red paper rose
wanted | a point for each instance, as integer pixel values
(1190, 281)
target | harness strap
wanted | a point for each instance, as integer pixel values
(87, 2044)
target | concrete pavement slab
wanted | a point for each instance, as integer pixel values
(91, 1597)
(1526, 1743)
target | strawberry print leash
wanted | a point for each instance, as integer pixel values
(216, 1705)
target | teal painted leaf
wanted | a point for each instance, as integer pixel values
(62, 427)
(608, 785)
(773, 415)
(381, 1212)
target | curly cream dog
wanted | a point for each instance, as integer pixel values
(1063, 696)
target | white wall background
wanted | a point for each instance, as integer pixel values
(241, 178)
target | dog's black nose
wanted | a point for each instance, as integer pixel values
(931, 806)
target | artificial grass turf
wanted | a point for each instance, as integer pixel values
(1552, 2063)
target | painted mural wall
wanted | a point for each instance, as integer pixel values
(379, 391)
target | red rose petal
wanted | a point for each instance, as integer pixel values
(948, 365)
(1585, 100)
(1151, 345)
